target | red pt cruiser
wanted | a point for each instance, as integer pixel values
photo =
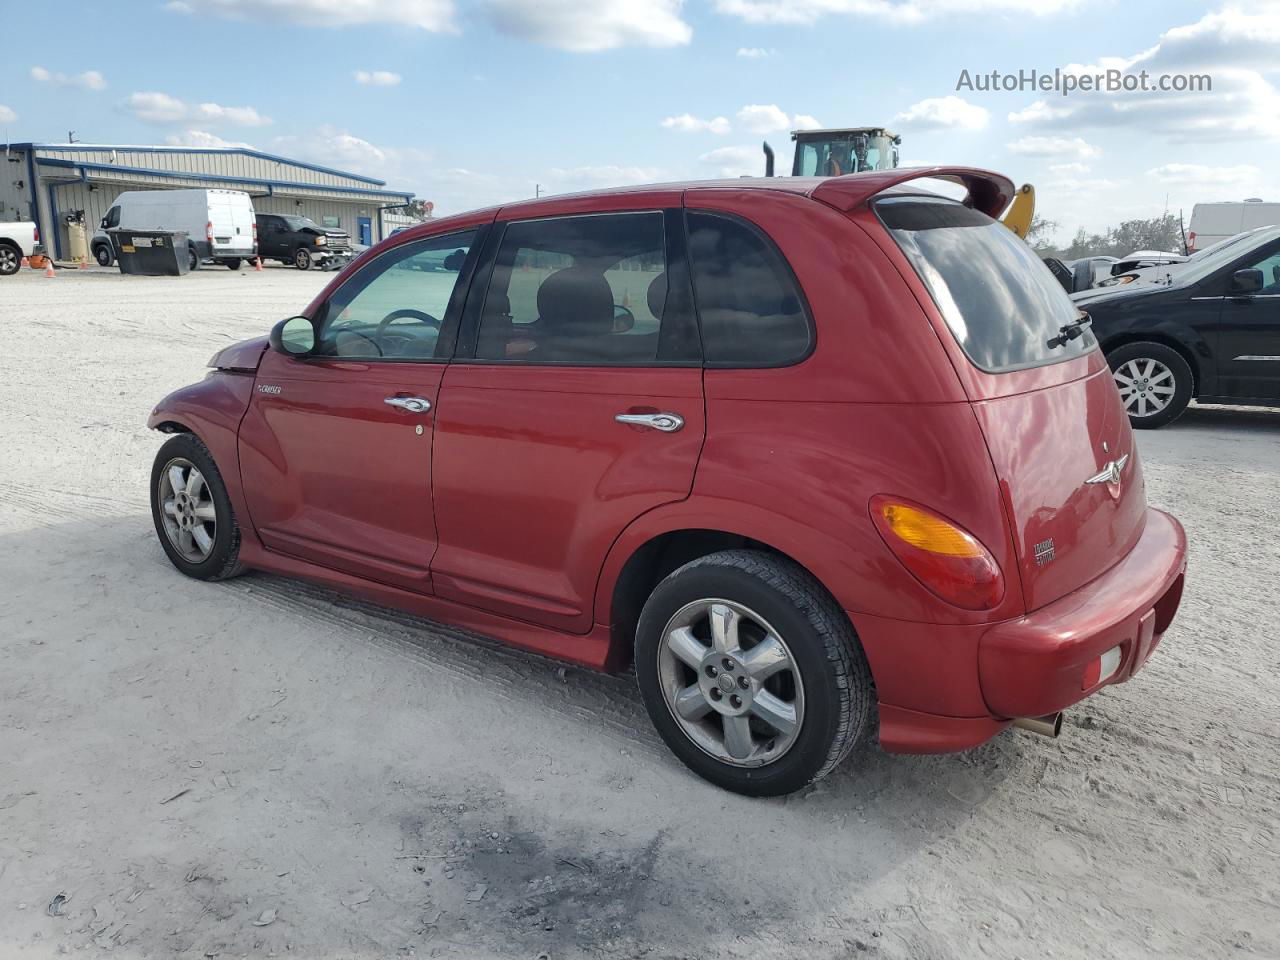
(799, 448)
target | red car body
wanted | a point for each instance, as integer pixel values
(533, 516)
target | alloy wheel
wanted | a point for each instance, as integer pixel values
(1146, 386)
(188, 513)
(731, 682)
(8, 260)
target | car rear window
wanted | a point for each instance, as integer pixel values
(1001, 303)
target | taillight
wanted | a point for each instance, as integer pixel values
(208, 232)
(35, 234)
(948, 560)
(1191, 242)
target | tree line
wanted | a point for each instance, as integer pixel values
(1156, 233)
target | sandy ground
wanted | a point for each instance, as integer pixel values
(260, 768)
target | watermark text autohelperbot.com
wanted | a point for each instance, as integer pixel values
(1111, 80)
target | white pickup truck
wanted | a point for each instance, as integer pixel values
(17, 240)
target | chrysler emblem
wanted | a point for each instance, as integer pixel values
(1111, 472)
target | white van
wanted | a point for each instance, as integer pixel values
(220, 224)
(1211, 222)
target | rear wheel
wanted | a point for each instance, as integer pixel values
(1155, 383)
(302, 258)
(233, 263)
(751, 673)
(102, 254)
(193, 259)
(192, 511)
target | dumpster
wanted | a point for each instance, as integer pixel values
(151, 253)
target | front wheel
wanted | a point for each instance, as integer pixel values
(302, 259)
(103, 255)
(1155, 383)
(192, 511)
(751, 672)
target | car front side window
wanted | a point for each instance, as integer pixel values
(396, 308)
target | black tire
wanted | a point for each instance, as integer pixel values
(233, 264)
(10, 259)
(837, 684)
(223, 560)
(193, 260)
(102, 254)
(302, 258)
(1171, 360)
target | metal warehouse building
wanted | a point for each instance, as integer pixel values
(46, 182)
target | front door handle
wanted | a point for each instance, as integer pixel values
(666, 422)
(412, 404)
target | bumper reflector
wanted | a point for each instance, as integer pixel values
(1103, 668)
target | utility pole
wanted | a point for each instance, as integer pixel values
(537, 190)
(71, 137)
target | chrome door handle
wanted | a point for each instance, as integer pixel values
(666, 422)
(412, 404)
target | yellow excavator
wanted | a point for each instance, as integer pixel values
(834, 152)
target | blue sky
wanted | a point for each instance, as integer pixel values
(470, 103)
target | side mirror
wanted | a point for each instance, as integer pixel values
(1245, 282)
(103, 224)
(295, 337)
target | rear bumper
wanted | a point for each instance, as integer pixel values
(1035, 665)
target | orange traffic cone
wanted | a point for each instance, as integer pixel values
(257, 265)
(84, 264)
(48, 268)
(26, 263)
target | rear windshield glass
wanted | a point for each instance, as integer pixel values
(1001, 302)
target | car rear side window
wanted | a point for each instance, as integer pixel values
(585, 290)
(749, 305)
(1001, 303)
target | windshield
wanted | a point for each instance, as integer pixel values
(999, 300)
(301, 223)
(834, 158)
(1222, 254)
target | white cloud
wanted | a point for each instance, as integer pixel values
(944, 113)
(893, 11)
(588, 27)
(162, 109)
(377, 78)
(7, 115)
(1064, 147)
(763, 118)
(1069, 169)
(1235, 45)
(89, 80)
(755, 53)
(734, 161)
(688, 123)
(1199, 174)
(432, 15)
(802, 121)
(202, 138)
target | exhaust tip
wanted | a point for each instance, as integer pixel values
(1050, 725)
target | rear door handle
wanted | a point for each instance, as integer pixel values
(666, 422)
(412, 404)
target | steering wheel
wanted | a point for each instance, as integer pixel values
(390, 344)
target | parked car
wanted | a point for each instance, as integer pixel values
(17, 240)
(302, 242)
(1211, 222)
(798, 449)
(218, 223)
(1164, 270)
(1207, 330)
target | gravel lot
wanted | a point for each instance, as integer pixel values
(262, 768)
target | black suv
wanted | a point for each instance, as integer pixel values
(302, 242)
(1208, 329)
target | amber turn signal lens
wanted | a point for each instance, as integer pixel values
(944, 557)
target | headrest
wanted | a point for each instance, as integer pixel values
(657, 296)
(575, 302)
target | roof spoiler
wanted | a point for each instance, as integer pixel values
(988, 192)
